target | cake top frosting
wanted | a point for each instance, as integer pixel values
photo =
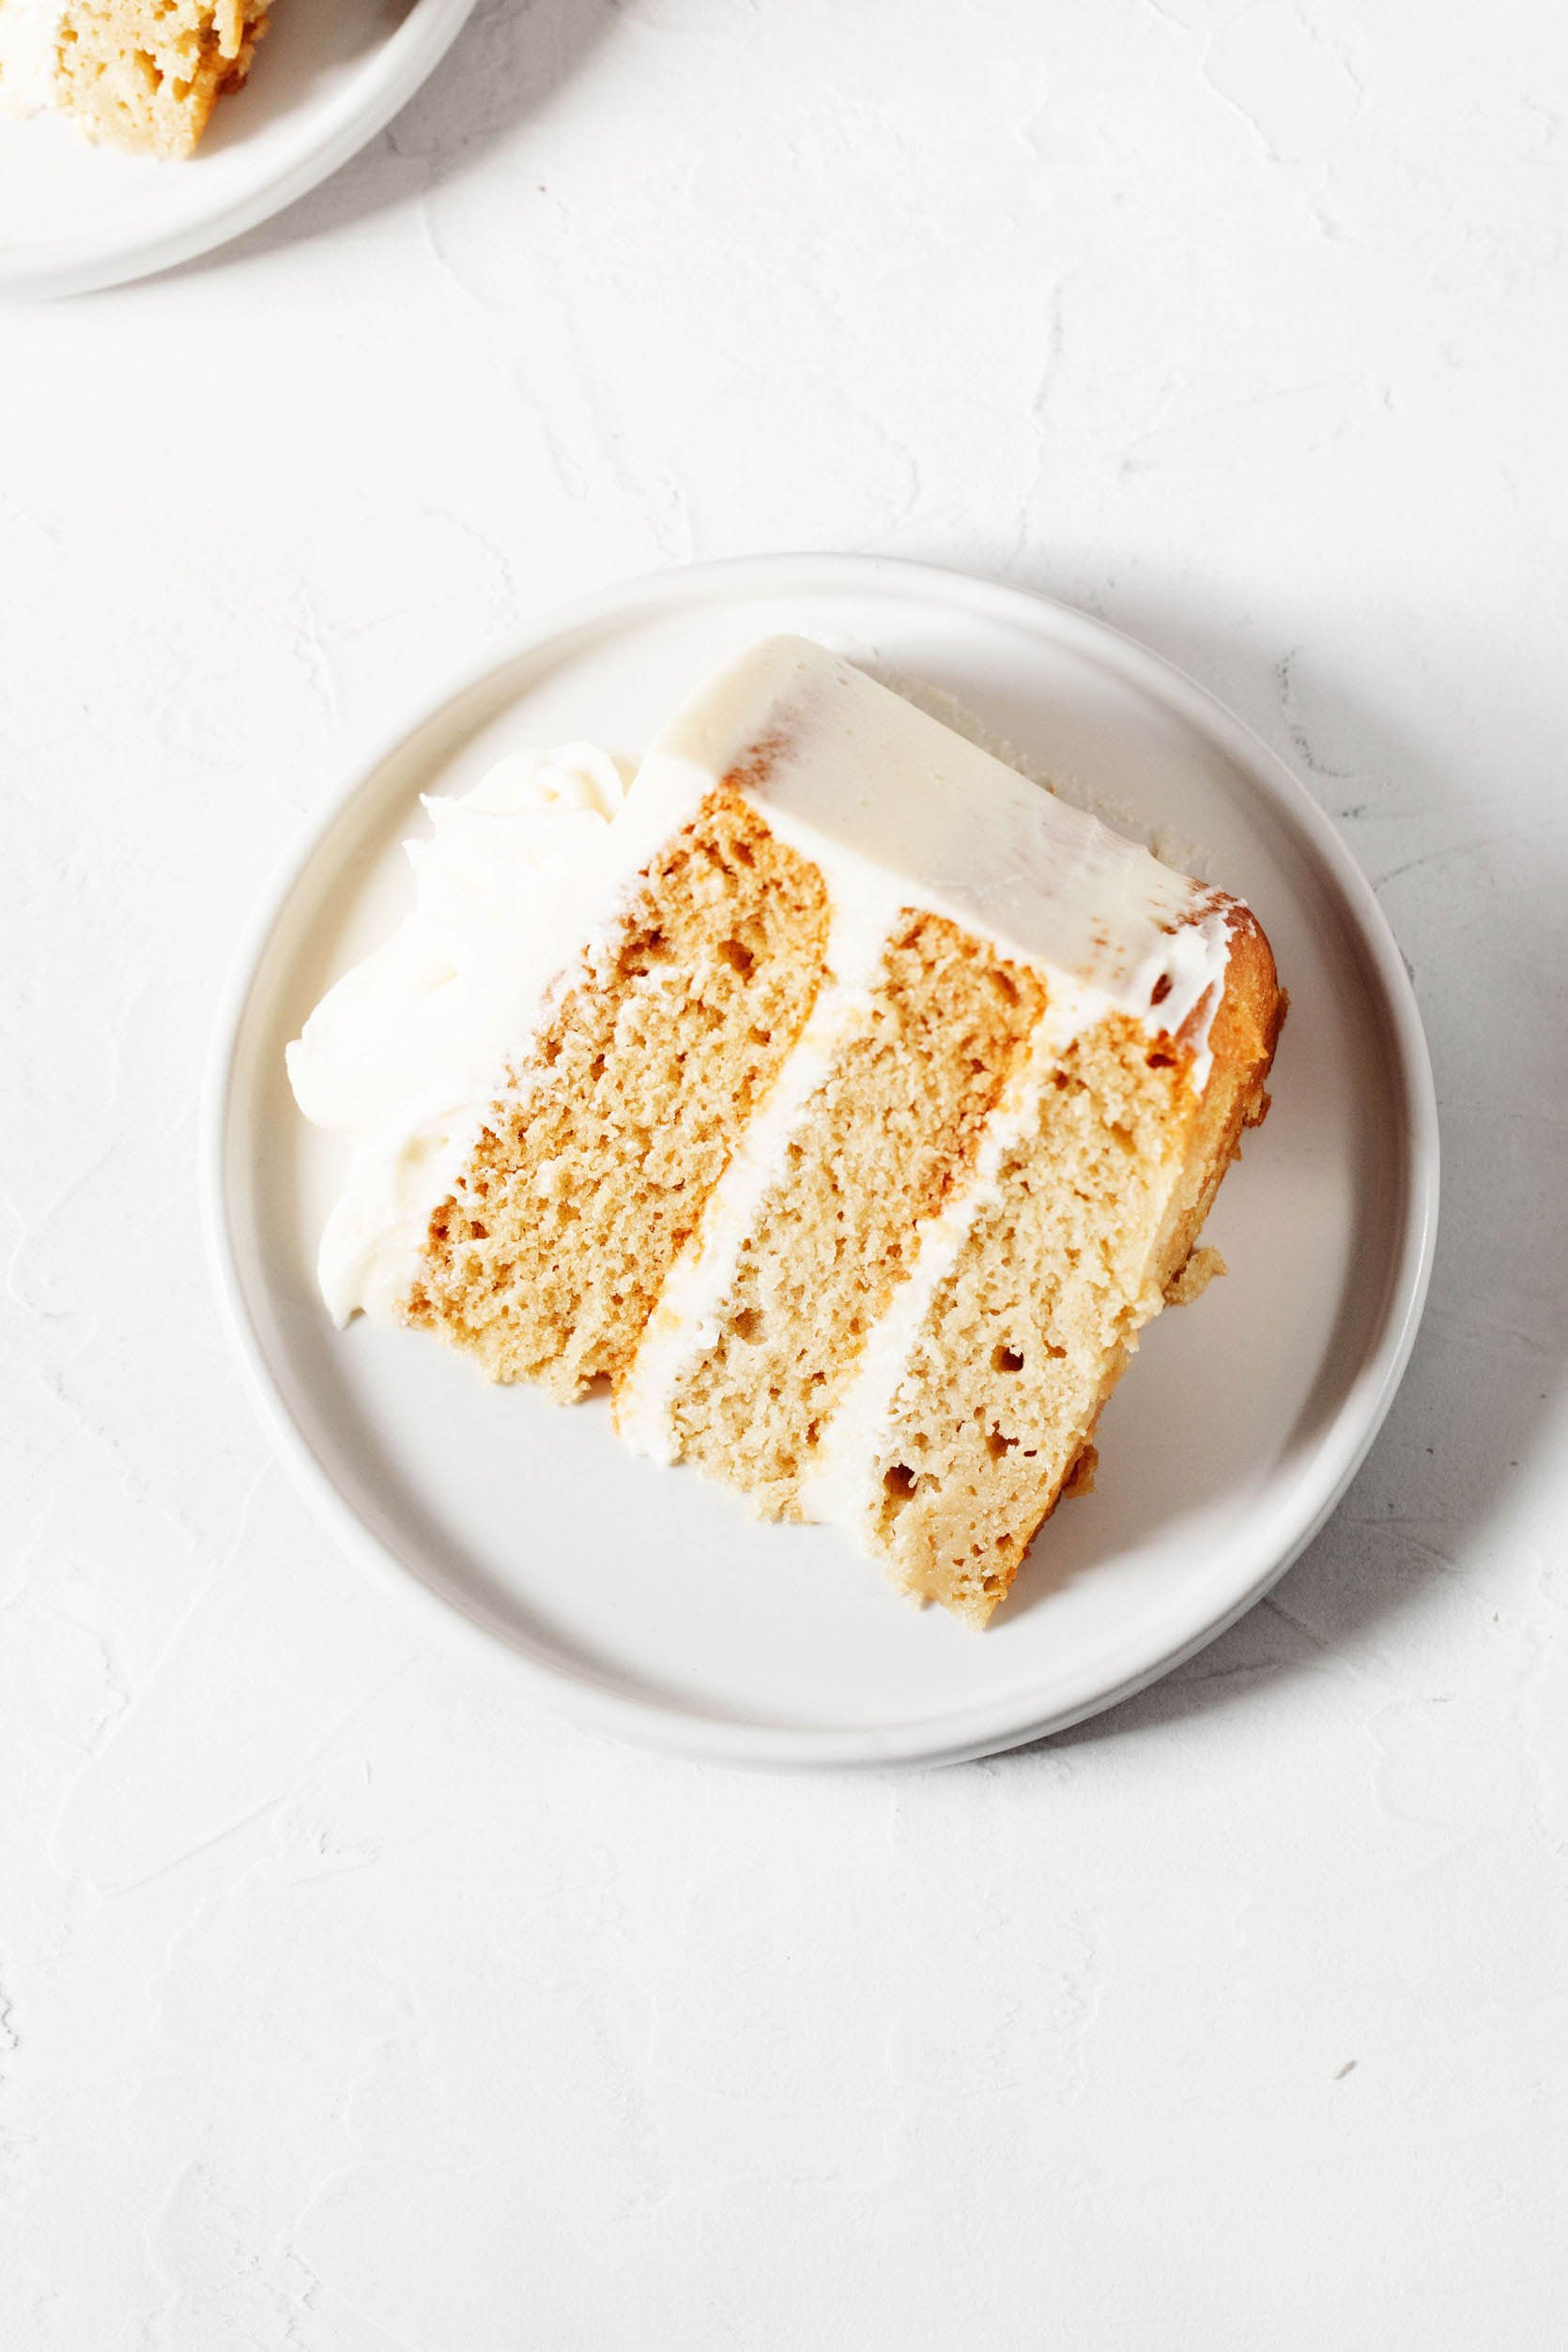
(888, 800)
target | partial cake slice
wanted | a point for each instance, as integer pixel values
(843, 1099)
(139, 74)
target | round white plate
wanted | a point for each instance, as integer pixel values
(328, 75)
(643, 1600)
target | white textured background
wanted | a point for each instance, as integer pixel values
(346, 2002)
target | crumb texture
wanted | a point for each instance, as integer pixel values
(145, 74)
(546, 1261)
(892, 1128)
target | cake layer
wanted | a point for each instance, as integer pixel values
(588, 1176)
(893, 1126)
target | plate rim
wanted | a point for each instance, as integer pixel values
(977, 1728)
(92, 263)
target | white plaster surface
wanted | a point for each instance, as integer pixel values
(347, 2001)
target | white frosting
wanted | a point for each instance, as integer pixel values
(888, 800)
(29, 46)
(408, 1052)
(522, 881)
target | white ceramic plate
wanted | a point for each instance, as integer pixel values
(328, 75)
(642, 1600)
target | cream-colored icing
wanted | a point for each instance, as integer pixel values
(406, 1054)
(29, 53)
(850, 773)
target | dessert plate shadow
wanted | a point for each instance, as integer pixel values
(328, 75)
(641, 1600)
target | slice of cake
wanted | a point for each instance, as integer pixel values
(845, 1100)
(139, 74)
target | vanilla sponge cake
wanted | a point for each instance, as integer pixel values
(140, 74)
(843, 1099)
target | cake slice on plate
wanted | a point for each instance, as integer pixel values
(140, 74)
(843, 1099)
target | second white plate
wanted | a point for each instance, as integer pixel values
(643, 1600)
(328, 75)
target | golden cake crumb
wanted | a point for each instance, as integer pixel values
(145, 75)
(1191, 1280)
